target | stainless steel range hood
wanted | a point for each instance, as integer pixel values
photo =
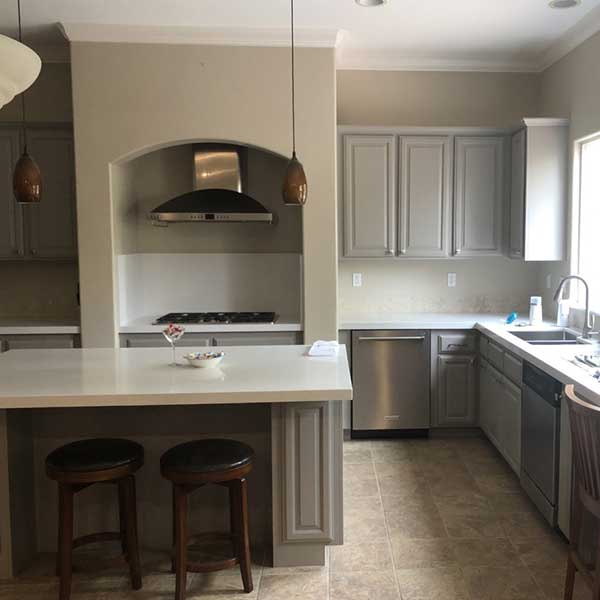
(218, 196)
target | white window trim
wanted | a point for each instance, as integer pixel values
(579, 296)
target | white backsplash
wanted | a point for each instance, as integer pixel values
(154, 284)
(484, 285)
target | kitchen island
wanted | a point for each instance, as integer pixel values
(285, 404)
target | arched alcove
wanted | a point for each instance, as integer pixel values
(201, 266)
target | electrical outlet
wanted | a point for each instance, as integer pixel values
(357, 279)
(451, 279)
(549, 281)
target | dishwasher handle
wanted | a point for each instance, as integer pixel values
(408, 338)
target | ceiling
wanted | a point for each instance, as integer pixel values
(520, 35)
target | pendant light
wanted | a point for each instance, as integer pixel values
(27, 179)
(19, 67)
(295, 188)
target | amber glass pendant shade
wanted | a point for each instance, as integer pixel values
(295, 188)
(27, 180)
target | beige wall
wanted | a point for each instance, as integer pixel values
(435, 99)
(142, 184)
(131, 98)
(571, 88)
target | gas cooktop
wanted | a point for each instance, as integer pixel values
(208, 318)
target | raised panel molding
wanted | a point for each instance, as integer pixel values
(308, 480)
(425, 221)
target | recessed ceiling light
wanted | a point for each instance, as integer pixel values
(370, 2)
(564, 3)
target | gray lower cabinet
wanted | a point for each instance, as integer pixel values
(277, 338)
(35, 342)
(369, 192)
(47, 230)
(191, 340)
(479, 182)
(157, 340)
(425, 216)
(454, 379)
(500, 404)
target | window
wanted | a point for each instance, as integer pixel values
(586, 218)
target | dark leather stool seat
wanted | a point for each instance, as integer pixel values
(191, 466)
(207, 456)
(95, 455)
(77, 466)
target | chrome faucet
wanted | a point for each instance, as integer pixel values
(585, 334)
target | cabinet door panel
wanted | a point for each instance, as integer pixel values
(277, 338)
(369, 195)
(157, 340)
(510, 427)
(39, 342)
(456, 391)
(51, 225)
(479, 195)
(11, 243)
(517, 195)
(425, 196)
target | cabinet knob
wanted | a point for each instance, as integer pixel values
(389, 253)
(33, 252)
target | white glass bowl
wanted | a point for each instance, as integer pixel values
(204, 360)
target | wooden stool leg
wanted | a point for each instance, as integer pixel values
(122, 514)
(234, 518)
(174, 531)
(65, 537)
(576, 518)
(133, 554)
(181, 540)
(244, 540)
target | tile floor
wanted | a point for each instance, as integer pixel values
(424, 520)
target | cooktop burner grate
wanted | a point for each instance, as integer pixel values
(208, 318)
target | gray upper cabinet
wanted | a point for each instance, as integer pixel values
(479, 195)
(425, 220)
(11, 240)
(539, 190)
(46, 230)
(52, 224)
(517, 196)
(369, 192)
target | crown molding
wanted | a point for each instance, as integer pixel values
(376, 60)
(225, 36)
(579, 33)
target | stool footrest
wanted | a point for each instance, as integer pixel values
(92, 538)
(212, 566)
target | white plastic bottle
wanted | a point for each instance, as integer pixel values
(535, 310)
(562, 314)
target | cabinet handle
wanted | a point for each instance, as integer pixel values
(411, 338)
(33, 251)
(458, 345)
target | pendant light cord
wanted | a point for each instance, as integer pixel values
(23, 108)
(293, 84)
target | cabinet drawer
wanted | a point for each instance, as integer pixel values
(496, 355)
(459, 343)
(513, 368)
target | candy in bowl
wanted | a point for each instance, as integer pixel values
(204, 360)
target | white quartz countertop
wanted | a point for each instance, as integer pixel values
(421, 321)
(554, 360)
(144, 325)
(18, 326)
(143, 376)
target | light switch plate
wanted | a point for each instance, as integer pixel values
(451, 279)
(357, 279)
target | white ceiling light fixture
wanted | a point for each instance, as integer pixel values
(371, 2)
(564, 3)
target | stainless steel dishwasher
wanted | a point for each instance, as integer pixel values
(390, 375)
(540, 439)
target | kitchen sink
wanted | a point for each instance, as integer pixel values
(560, 337)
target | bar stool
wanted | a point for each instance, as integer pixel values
(585, 430)
(191, 465)
(79, 465)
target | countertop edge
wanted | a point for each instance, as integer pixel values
(40, 329)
